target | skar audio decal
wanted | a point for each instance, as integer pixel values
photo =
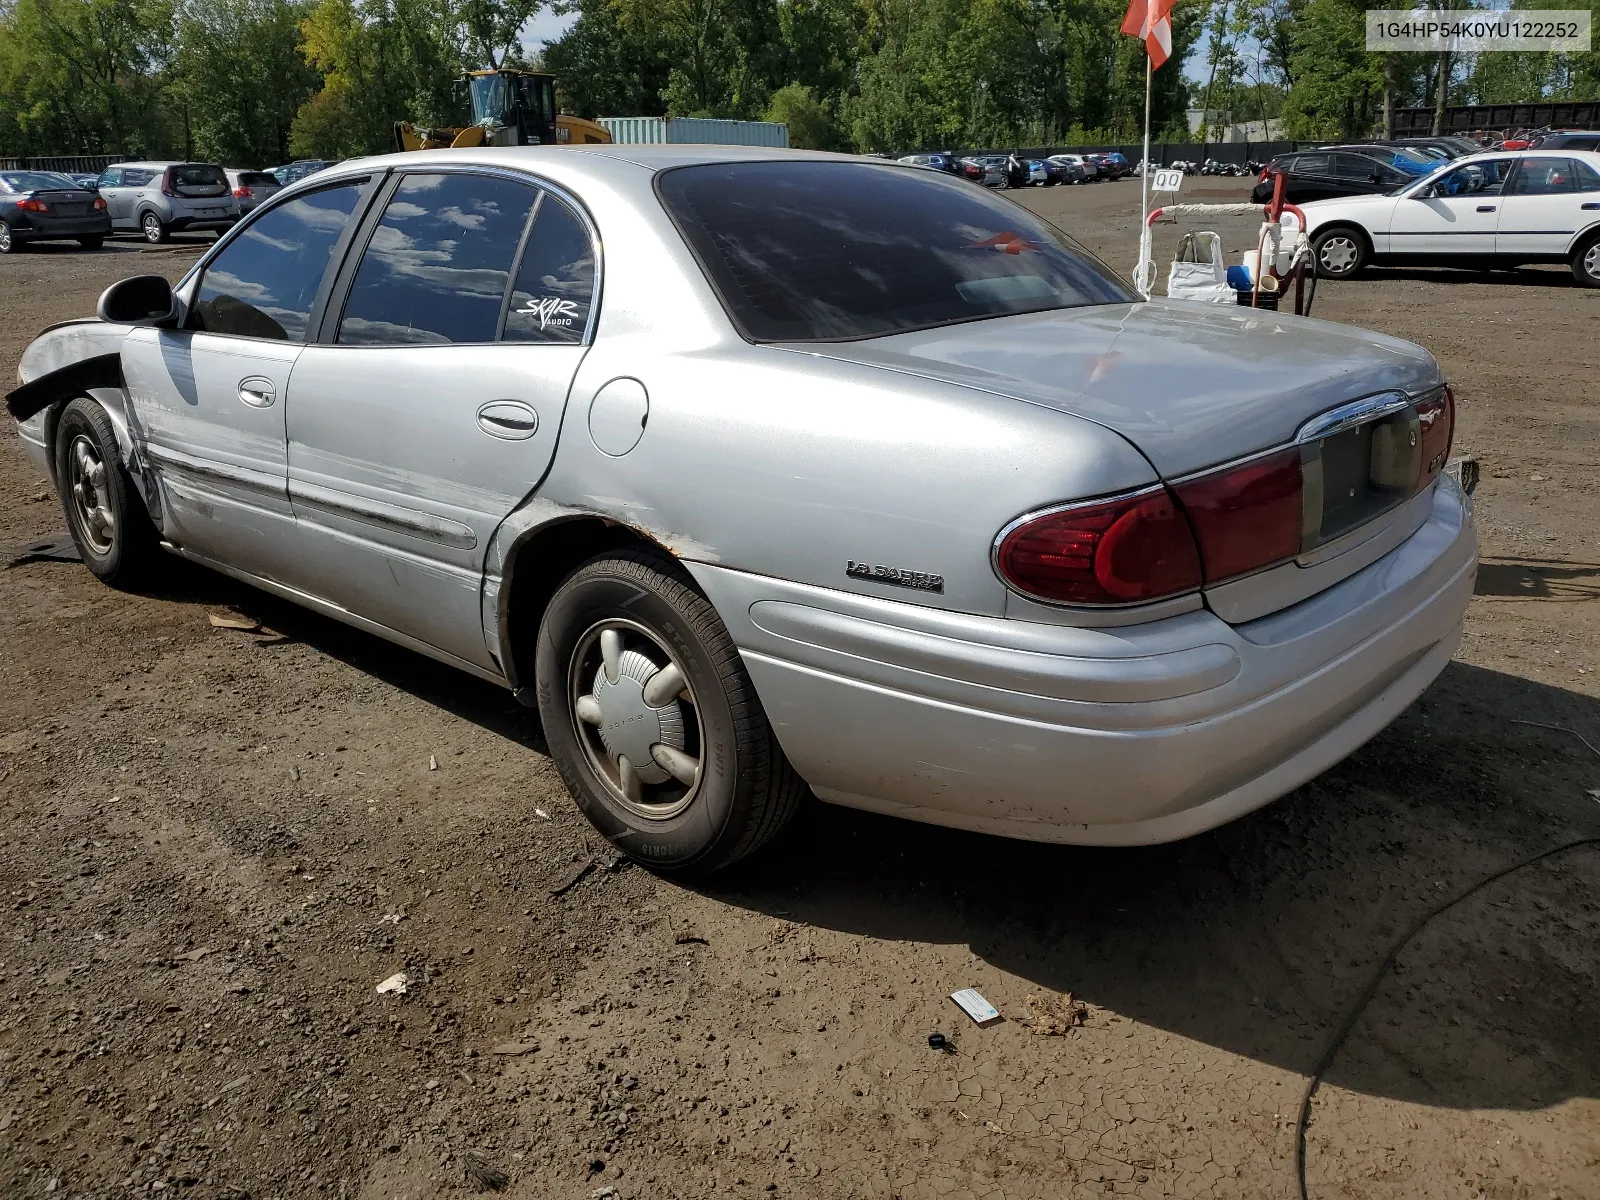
(551, 311)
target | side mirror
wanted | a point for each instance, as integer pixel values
(142, 300)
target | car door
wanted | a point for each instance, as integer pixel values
(1541, 208)
(210, 397)
(1358, 175)
(1455, 214)
(109, 185)
(430, 408)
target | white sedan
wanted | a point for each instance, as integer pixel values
(1497, 210)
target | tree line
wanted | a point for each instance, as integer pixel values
(257, 82)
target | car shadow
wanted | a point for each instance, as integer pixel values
(1257, 937)
(1550, 276)
(476, 700)
(1254, 938)
(1539, 579)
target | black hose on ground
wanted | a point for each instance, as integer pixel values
(1371, 990)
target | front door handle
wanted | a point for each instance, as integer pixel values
(1485, 208)
(1593, 204)
(257, 392)
(511, 420)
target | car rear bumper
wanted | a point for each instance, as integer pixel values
(37, 229)
(1124, 735)
(181, 223)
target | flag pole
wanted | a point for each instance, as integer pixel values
(1144, 175)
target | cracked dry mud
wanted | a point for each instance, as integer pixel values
(214, 844)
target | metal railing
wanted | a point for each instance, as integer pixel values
(75, 164)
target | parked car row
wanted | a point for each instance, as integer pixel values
(151, 199)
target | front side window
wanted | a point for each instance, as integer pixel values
(111, 178)
(264, 282)
(1474, 179)
(1354, 166)
(823, 251)
(555, 282)
(1542, 177)
(436, 269)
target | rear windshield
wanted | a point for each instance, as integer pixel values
(199, 181)
(834, 251)
(37, 181)
(257, 179)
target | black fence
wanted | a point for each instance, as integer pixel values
(76, 164)
(1499, 118)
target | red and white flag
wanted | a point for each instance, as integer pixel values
(1152, 21)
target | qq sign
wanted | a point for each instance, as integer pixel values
(1166, 181)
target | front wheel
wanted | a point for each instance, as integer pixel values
(653, 722)
(1586, 264)
(155, 232)
(1339, 253)
(105, 515)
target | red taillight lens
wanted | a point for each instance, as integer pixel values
(1121, 551)
(99, 203)
(33, 206)
(243, 193)
(1246, 517)
(166, 183)
(1438, 420)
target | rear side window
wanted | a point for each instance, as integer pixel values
(135, 177)
(832, 251)
(265, 281)
(1587, 177)
(1312, 164)
(1543, 177)
(198, 180)
(555, 282)
(437, 267)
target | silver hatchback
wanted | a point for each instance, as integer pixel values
(156, 199)
(759, 473)
(251, 188)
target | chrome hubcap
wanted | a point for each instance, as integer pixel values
(5, 236)
(636, 718)
(1338, 255)
(1591, 261)
(152, 228)
(91, 501)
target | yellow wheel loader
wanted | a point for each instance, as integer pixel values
(509, 108)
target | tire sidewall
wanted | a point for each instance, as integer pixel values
(1582, 274)
(84, 417)
(1323, 239)
(9, 242)
(596, 593)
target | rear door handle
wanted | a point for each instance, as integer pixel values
(1592, 204)
(257, 392)
(511, 420)
(1485, 208)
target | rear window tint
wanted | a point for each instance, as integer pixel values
(833, 251)
(198, 180)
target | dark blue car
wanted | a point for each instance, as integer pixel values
(38, 206)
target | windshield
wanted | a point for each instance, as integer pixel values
(490, 98)
(836, 251)
(38, 181)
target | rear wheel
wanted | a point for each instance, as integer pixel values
(9, 243)
(652, 720)
(105, 515)
(153, 228)
(1339, 253)
(1586, 264)
(91, 243)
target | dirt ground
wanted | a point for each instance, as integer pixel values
(213, 845)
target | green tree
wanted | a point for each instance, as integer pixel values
(811, 125)
(241, 78)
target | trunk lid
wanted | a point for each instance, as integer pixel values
(1191, 385)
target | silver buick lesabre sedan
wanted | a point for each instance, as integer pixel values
(761, 472)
